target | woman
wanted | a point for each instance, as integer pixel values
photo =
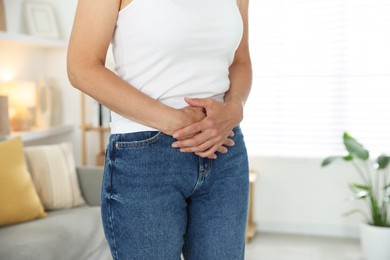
(176, 169)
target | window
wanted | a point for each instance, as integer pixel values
(321, 67)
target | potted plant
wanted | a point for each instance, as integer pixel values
(374, 189)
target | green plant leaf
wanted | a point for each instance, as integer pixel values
(383, 161)
(361, 187)
(348, 158)
(329, 160)
(355, 148)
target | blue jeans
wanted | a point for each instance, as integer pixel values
(158, 202)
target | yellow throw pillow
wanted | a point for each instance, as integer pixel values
(19, 200)
(53, 171)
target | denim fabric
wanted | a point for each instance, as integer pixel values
(158, 202)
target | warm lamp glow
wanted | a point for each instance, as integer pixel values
(3, 90)
(6, 75)
(22, 94)
(22, 101)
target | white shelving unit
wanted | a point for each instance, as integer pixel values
(15, 36)
(31, 41)
(39, 134)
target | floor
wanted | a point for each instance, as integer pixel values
(267, 246)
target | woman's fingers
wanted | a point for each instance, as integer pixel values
(211, 150)
(209, 136)
(210, 153)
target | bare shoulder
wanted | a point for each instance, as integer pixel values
(125, 3)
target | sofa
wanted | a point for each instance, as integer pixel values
(69, 233)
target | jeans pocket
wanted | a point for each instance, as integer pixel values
(137, 140)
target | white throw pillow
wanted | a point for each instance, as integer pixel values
(53, 171)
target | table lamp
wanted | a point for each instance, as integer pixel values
(22, 102)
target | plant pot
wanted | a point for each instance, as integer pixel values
(375, 242)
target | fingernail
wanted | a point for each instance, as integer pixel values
(174, 145)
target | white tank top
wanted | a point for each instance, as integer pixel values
(171, 49)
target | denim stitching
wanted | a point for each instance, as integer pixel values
(110, 211)
(185, 249)
(201, 175)
(123, 144)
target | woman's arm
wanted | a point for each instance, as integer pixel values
(240, 72)
(212, 132)
(91, 35)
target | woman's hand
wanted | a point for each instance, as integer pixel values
(211, 134)
(183, 117)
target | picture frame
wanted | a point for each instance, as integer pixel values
(40, 20)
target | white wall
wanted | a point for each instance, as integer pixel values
(296, 195)
(16, 60)
(291, 195)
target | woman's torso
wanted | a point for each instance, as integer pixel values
(171, 49)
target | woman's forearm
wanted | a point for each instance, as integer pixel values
(240, 85)
(116, 94)
(240, 72)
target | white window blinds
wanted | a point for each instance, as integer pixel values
(321, 67)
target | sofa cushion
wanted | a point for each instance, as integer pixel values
(67, 234)
(18, 198)
(53, 172)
